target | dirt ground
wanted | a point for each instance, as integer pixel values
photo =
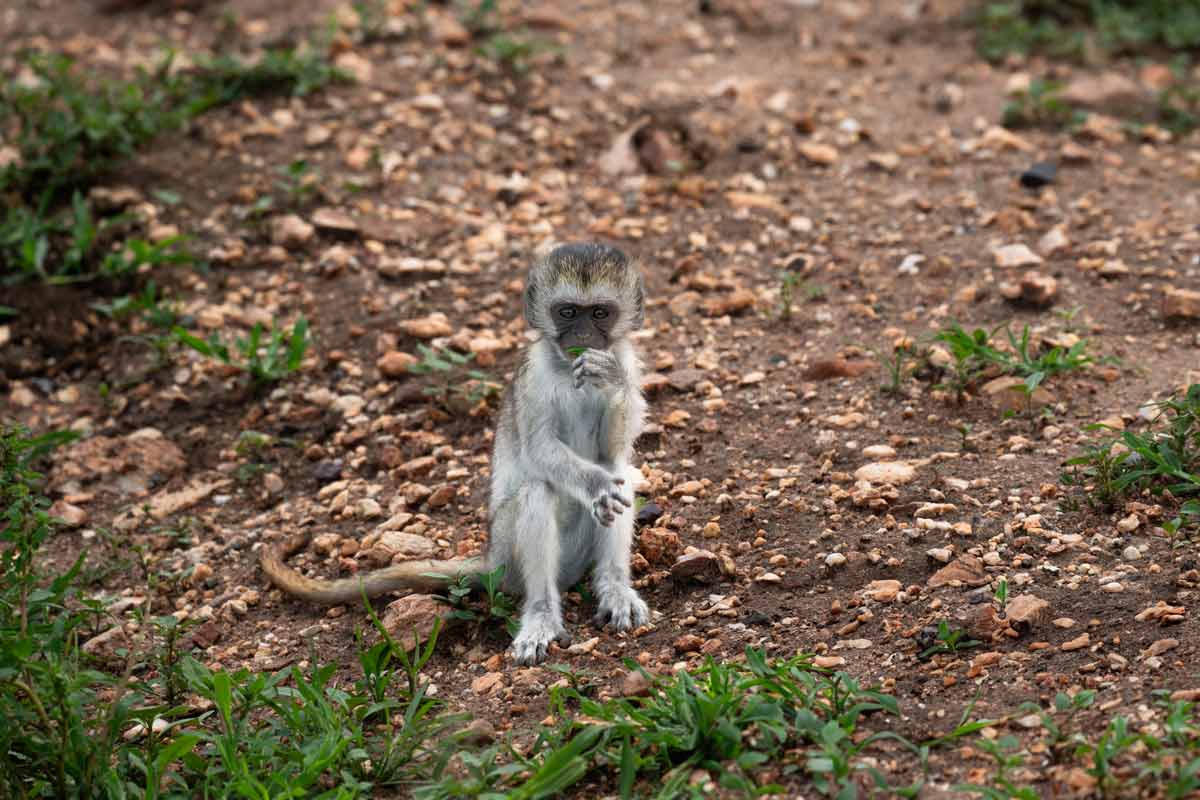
(852, 142)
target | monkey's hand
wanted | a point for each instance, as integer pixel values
(599, 368)
(607, 501)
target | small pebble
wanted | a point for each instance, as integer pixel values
(1039, 175)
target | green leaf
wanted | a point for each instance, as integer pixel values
(182, 744)
(297, 344)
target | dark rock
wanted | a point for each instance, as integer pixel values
(649, 514)
(1039, 175)
(327, 471)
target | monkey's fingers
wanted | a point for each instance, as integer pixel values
(618, 498)
(602, 513)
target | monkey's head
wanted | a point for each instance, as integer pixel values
(584, 295)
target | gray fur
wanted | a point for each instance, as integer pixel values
(562, 486)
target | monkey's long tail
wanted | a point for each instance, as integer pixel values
(425, 575)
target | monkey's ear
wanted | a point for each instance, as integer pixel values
(639, 303)
(531, 305)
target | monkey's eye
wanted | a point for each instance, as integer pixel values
(600, 313)
(567, 312)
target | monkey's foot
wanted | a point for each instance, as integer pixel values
(534, 638)
(623, 608)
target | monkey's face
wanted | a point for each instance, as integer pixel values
(584, 296)
(580, 325)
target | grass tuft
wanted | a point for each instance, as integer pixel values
(1163, 461)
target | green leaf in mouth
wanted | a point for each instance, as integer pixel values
(576, 351)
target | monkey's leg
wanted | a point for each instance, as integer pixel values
(535, 549)
(619, 602)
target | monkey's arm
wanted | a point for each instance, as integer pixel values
(417, 575)
(549, 459)
(626, 413)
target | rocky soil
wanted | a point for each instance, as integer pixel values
(847, 152)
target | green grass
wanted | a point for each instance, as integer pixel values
(1070, 28)
(731, 720)
(496, 605)
(1157, 755)
(512, 49)
(71, 132)
(265, 360)
(1164, 460)
(975, 355)
(948, 640)
(151, 720)
(452, 380)
(791, 280)
(1090, 30)
(1040, 106)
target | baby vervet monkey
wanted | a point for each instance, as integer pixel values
(562, 483)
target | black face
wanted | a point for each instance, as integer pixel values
(584, 326)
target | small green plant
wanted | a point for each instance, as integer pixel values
(1000, 596)
(500, 606)
(1179, 104)
(965, 445)
(372, 19)
(1008, 757)
(1016, 27)
(1164, 460)
(1040, 107)
(948, 640)
(788, 279)
(1090, 30)
(1073, 28)
(974, 355)
(479, 16)
(1162, 759)
(791, 277)
(227, 78)
(72, 246)
(968, 353)
(455, 380)
(149, 306)
(899, 364)
(265, 364)
(136, 256)
(165, 725)
(497, 604)
(152, 317)
(300, 183)
(513, 51)
(252, 443)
